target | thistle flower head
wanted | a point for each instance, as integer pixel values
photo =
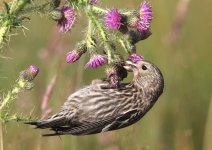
(93, 2)
(145, 11)
(143, 25)
(67, 20)
(113, 19)
(96, 60)
(73, 56)
(135, 57)
(145, 17)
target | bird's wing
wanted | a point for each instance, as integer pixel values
(124, 120)
(72, 108)
(93, 110)
(83, 129)
(101, 126)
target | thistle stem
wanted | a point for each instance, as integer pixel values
(123, 45)
(103, 34)
(89, 34)
(3, 31)
(15, 8)
(12, 93)
(99, 10)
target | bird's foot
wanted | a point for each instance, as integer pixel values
(114, 82)
(115, 74)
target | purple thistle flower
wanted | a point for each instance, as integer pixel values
(73, 56)
(96, 60)
(93, 2)
(67, 20)
(145, 11)
(135, 57)
(145, 17)
(113, 19)
(143, 25)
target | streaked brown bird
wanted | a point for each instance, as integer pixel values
(96, 109)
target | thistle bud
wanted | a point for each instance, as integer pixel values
(75, 54)
(132, 19)
(56, 15)
(96, 60)
(82, 46)
(30, 73)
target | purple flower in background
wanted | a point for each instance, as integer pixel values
(93, 2)
(67, 20)
(96, 60)
(135, 57)
(73, 56)
(145, 11)
(113, 19)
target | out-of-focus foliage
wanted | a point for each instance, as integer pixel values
(181, 119)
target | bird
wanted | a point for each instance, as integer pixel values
(96, 108)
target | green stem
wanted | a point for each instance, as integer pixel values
(89, 34)
(11, 94)
(80, 2)
(5, 101)
(3, 31)
(99, 10)
(103, 35)
(17, 6)
(123, 45)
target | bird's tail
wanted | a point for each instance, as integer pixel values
(54, 134)
(48, 123)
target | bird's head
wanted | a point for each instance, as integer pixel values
(145, 73)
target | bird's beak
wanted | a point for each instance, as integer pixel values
(129, 65)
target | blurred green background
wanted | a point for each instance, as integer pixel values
(181, 46)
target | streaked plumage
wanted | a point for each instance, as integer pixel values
(97, 108)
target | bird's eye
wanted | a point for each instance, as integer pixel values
(144, 67)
